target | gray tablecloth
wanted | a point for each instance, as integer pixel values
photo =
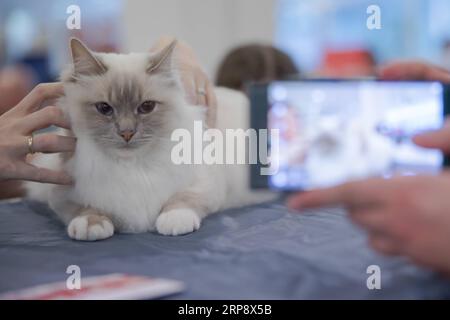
(260, 252)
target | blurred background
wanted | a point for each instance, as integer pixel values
(319, 37)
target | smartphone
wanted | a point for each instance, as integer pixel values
(333, 131)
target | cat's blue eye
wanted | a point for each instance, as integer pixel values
(146, 107)
(104, 108)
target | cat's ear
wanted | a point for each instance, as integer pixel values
(84, 61)
(162, 60)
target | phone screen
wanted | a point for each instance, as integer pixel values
(331, 132)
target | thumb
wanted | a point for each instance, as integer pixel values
(438, 139)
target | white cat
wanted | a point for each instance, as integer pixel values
(123, 109)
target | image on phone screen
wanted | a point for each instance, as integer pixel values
(331, 132)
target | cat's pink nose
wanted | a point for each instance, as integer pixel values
(127, 134)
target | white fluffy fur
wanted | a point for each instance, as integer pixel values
(132, 189)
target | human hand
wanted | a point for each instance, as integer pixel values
(198, 87)
(405, 215)
(16, 136)
(413, 70)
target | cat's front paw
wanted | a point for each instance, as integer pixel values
(90, 227)
(177, 222)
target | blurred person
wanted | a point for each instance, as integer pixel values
(408, 215)
(254, 63)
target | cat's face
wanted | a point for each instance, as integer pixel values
(122, 102)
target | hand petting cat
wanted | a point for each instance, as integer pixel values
(17, 140)
(199, 89)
